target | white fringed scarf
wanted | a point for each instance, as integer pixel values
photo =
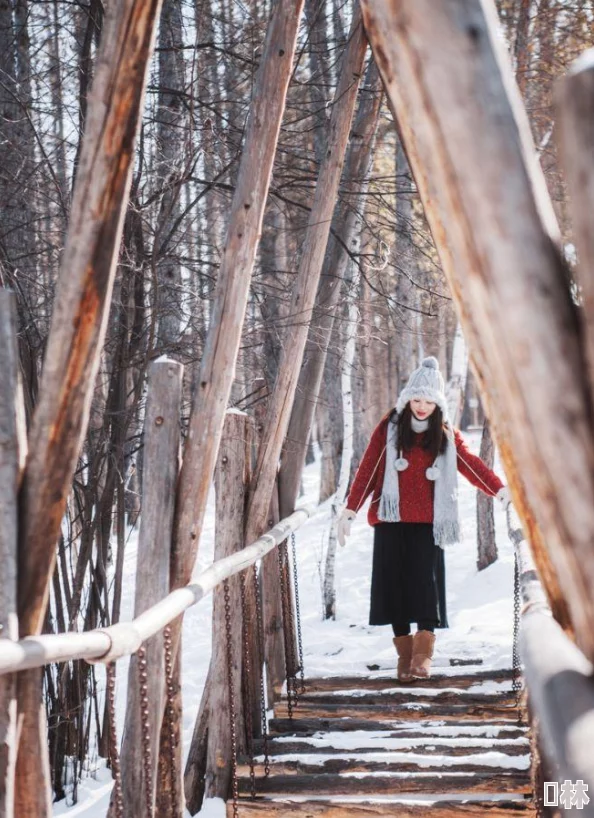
(444, 474)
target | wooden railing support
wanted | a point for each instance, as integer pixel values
(231, 483)
(161, 465)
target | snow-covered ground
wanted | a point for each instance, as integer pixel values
(480, 613)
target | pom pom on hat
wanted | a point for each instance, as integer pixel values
(430, 362)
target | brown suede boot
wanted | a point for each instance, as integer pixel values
(404, 646)
(422, 651)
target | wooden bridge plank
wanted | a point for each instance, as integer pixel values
(355, 784)
(307, 726)
(401, 712)
(394, 809)
(392, 696)
(397, 764)
(379, 682)
(417, 744)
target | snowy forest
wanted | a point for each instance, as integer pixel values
(348, 294)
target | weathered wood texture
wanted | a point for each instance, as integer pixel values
(74, 345)
(405, 712)
(405, 762)
(245, 223)
(272, 612)
(313, 684)
(308, 724)
(330, 784)
(231, 482)
(195, 771)
(404, 809)
(466, 134)
(575, 109)
(12, 445)
(83, 293)
(304, 291)
(161, 465)
(461, 747)
(345, 221)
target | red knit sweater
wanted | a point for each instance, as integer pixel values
(416, 491)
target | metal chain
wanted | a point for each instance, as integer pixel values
(232, 709)
(170, 716)
(517, 685)
(287, 629)
(249, 723)
(261, 659)
(301, 668)
(146, 729)
(114, 755)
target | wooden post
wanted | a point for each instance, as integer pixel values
(12, 451)
(575, 107)
(468, 140)
(231, 480)
(306, 283)
(274, 644)
(74, 345)
(161, 465)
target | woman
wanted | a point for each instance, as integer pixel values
(411, 466)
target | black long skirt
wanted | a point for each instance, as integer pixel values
(408, 578)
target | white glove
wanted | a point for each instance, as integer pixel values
(504, 497)
(343, 528)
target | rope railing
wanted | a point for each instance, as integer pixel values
(125, 638)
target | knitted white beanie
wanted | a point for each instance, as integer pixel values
(425, 382)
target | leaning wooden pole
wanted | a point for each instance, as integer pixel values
(76, 336)
(161, 465)
(575, 109)
(306, 283)
(12, 451)
(345, 222)
(217, 369)
(468, 140)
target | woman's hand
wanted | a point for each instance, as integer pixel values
(343, 528)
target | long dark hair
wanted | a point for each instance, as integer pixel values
(434, 439)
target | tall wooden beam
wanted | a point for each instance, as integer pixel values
(74, 345)
(467, 136)
(306, 283)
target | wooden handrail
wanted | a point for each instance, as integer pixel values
(109, 644)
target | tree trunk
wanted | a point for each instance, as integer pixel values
(485, 521)
(439, 64)
(12, 451)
